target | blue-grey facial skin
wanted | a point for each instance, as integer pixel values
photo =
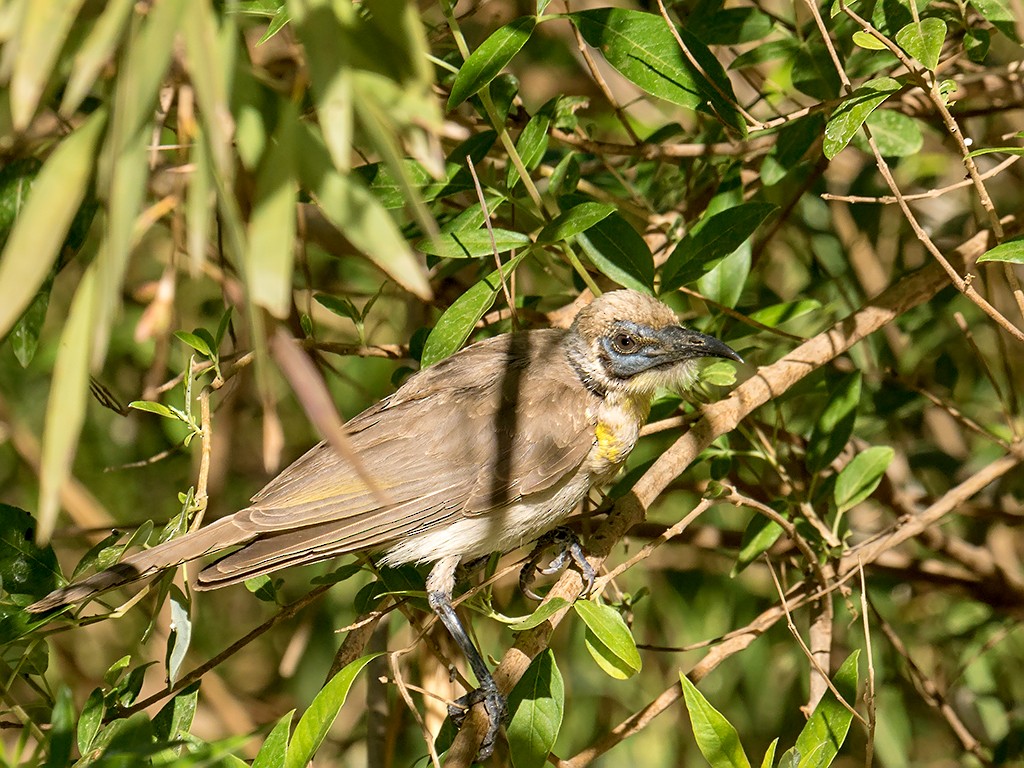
(630, 348)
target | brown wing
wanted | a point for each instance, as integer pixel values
(502, 419)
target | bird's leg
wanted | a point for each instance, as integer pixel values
(440, 584)
(567, 547)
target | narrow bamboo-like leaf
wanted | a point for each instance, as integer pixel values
(618, 250)
(459, 320)
(1012, 252)
(57, 194)
(317, 720)
(923, 40)
(825, 731)
(211, 63)
(1000, 14)
(834, 425)
(271, 233)
(473, 243)
(607, 625)
(851, 114)
(861, 476)
(95, 53)
(349, 206)
(716, 737)
(199, 204)
(577, 219)
(643, 49)
(62, 726)
(542, 614)
(65, 408)
(44, 27)
(487, 61)
(714, 239)
(274, 752)
(536, 703)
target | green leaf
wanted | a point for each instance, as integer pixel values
(814, 73)
(25, 334)
(197, 342)
(95, 53)
(150, 407)
(62, 723)
(536, 704)
(834, 425)
(459, 320)
(318, 718)
(618, 250)
(473, 243)
(709, 242)
(643, 49)
(487, 61)
(868, 41)
(825, 731)
(45, 219)
(730, 26)
(577, 219)
(777, 314)
(542, 614)
(353, 209)
(274, 751)
(1012, 252)
(610, 641)
(271, 232)
(41, 34)
(758, 537)
(851, 114)
(174, 720)
(861, 476)
(1000, 14)
(716, 737)
(531, 146)
(896, 134)
(923, 40)
(769, 755)
(90, 720)
(65, 407)
(181, 632)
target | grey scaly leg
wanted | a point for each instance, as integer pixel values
(440, 584)
(568, 547)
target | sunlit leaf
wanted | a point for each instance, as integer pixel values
(923, 40)
(716, 737)
(851, 114)
(492, 56)
(1012, 252)
(615, 643)
(825, 731)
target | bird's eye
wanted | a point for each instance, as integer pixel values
(625, 343)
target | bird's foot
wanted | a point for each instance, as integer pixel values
(567, 547)
(494, 705)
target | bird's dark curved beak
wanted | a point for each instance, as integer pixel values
(688, 344)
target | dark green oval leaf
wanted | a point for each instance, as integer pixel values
(618, 250)
(834, 425)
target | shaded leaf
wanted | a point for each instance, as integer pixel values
(643, 49)
(896, 134)
(834, 425)
(531, 146)
(619, 251)
(62, 724)
(758, 537)
(999, 13)
(536, 703)
(459, 320)
(711, 241)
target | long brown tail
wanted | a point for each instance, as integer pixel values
(217, 536)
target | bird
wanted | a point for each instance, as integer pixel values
(484, 451)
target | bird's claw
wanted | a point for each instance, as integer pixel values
(568, 548)
(497, 713)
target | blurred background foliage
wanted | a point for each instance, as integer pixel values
(189, 187)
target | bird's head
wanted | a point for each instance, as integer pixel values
(630, 342)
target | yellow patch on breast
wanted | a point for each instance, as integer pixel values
(609, 446)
